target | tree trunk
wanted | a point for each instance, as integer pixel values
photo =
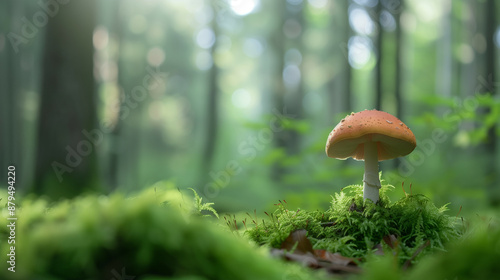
(444, 65)
(340, 83)
(212, 105)
(278, 45)
(347, 79)
(294, 104)
(66, 157)
(490, 58)
(12, 95)
(116, 139)
(378, 65)
(398, 75)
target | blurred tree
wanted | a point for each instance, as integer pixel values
(490, 26)
(398, 59)
(379, 55)
(10, 91)
(212, 100)
(398, 72)
(295, 25)
(117, 31)
(445, 63)
(277, 42)
(66, 157)
(340, 33)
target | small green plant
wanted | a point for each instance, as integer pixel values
(199, 206)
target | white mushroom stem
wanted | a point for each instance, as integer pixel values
(371, 182)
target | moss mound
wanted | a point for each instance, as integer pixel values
(146, 237)
(410, 227)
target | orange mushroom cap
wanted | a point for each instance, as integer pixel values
(394, 139)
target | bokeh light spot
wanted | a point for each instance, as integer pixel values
(156, 56)
(243, 7)
(291, 76)
(100, 38)
(359, 51)
(203, 60)
(360, 21)
(241, 98)
(205, 38)
(253, 47)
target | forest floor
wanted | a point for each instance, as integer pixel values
(157, 234)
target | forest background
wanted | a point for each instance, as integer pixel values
(235, 99)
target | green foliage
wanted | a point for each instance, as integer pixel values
(456, 111)
(199, 206)
(473, 257)
(147, 237)
(354, 227)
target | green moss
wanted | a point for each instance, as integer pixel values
(475, 256)
(149, 236)
(353, 227)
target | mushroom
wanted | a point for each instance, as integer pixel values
(372, 136)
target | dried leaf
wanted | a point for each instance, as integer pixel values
(298, 243)
(391, 240)
(307, 259)
(298, 248)
(334, 258)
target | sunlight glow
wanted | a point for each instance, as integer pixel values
(360, 21)
(241, 98)
(243, 7)
(156, 56)
(387, 21)
(205, 38)
(359, 51)
(100, 38)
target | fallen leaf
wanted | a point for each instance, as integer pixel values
(307, 259)
(391, 240)
(298, 248)
(335, 258)
(298, 243)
